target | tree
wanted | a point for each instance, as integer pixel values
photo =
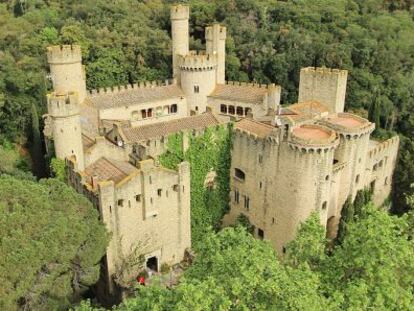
(347, 216)
(51, 244)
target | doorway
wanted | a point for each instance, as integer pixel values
(152, 263)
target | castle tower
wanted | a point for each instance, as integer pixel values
(216, 45)
(198, 79)
(180, 35)
(68, 74)
(328, 86)
(63, 109)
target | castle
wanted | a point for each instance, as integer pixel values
(287, 162)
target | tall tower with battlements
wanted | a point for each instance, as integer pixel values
(216, 45)
(66, 70)
(65, 126)
(328, 86)
(180, 35)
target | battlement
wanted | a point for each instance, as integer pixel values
(313, 137)
(64, 54)
(199, 61)
(270, 86)
(180, 11)
(216, 29)
(384, 146)
(346, 124)
(63, 104)
(128, 87)
(324, 71)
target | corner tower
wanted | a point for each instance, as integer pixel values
(179, 15)
(216, 45)
(328, 86)
(66, 70)
(65, 125)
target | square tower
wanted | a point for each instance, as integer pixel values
(328, 86)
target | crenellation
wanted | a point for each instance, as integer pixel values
(64, 54)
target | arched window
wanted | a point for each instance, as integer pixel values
(239, 111)
(143, 113)
(223, 108)
(247, 110)
(231, 110)
(196, 89)
(174, 108)
(149, 113)
(324, 205)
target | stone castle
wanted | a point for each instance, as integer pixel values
(287, 162)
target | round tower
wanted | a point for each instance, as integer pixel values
(180, 35)
(198, 79)
(303, 180)
(66, 70)
(63, 109)
(216, 44)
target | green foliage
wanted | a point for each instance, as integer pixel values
(13, 163)
(208, 151)
(58, 169)
(243, 220)
(51, 244)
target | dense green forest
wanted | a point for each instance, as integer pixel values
(128, 40)
(125, 41)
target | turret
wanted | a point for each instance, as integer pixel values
(180, 35)
(66, 70)
(328, 86)
(216, 45)
(198, 79)
(63, 110)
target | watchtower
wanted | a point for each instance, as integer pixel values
(180, 35)
(67, 72)
(328, 86)
(63, 109)
(216, 45)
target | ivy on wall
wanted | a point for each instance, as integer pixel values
(209, 151)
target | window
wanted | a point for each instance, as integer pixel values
(239, 111)
(174, 108)
(236, 196)
(143, 113)
(151, 200)
(239, 174)
(129, 203)
(196, 108)
(159, 192)
(246, 202)
(375, 167)
(386, 181)
(121, 202)
(260, 185)
(223, 108)
(138, 198)
(260, 158)
(324, 205)
(150, 179)
(372, 186)
(260, 233)
(357, 179)
(110, 209)
(149, 113)
(231, 110)
(196, 89)
(327, 177)
(175, 188)
(273, 220)
(247, 111)
(166, 110)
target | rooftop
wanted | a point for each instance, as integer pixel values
(313, 134)
(150, 131)
(347, 120)
(247, 93)
(257, 128)
(304, 111)
(105, 169)
(135, 96)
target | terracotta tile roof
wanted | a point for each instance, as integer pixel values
(89, 118)
(259, 129)
(145, 132)
(105, 169)
(308, 107)
(135, 96)
(240, 93)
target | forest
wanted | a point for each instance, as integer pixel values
(268, 41)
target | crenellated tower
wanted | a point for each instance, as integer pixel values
(65, 126)
(179, 15)
(66, 70)
(216, 45)
(327, 86)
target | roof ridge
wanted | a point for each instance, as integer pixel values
(114, 165)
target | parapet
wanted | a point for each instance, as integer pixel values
(313, 137)
(270, 86)
(179, 11)
(136, 86)
(63, 104)
(199, 61)
(324, 71)
(348, 125)
(384, 146)
(64, 54)
(216, 29)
